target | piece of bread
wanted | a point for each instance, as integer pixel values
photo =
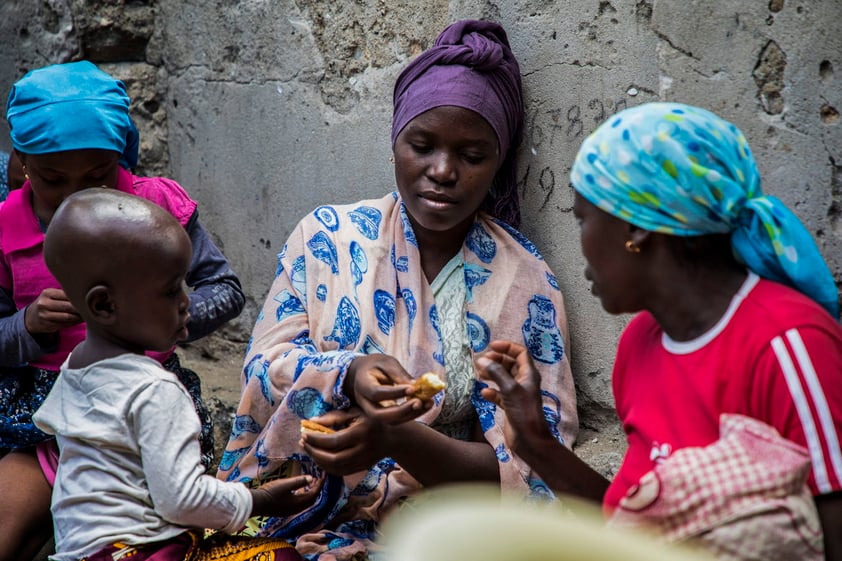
(310, 426)
(428, 385)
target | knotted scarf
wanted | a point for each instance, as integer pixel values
(470, 66)
(681, 170)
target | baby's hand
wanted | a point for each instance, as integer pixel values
(283, 497)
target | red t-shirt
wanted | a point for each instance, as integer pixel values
(775, 355)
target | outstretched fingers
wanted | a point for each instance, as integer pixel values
(338, 419)
(299, 483)
(495, 372)
(343, 452)
(503, 363)
(509, 367)
(393, 385)
(286, 496)
(507, 348)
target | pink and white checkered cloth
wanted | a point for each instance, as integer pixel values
(744, 497)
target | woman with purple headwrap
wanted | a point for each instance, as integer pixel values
(370, 296)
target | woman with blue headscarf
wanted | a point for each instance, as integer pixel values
(737, 340)
(71, 129)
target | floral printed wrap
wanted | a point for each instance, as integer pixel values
(349, 282)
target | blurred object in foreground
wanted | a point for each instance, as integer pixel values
(474, 522)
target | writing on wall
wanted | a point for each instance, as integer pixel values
(556, 133)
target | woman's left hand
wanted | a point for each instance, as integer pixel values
(428, 455)
(359, 445)
(377, 382)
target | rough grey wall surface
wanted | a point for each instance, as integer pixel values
(265, 109)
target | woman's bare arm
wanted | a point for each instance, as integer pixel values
(830, 514)
(518, 392)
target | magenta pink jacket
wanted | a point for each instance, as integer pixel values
(22, 269)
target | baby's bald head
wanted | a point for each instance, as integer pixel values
(99, 236)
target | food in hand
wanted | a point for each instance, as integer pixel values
(311, 426)
(427, 386)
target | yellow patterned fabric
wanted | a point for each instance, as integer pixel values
(222, 547)
(196, 546)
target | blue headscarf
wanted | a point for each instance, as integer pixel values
(71, 106)
(681, 170)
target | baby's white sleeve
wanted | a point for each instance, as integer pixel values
(167, 431)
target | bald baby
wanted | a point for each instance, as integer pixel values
(99, 236)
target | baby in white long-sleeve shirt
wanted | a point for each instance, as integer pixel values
(129, 473)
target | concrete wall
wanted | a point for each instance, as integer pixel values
(264, 109)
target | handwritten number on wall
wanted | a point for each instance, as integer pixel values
(570, 123)
(598, 108)
(546, 181)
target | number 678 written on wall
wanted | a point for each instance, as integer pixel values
(570, 123)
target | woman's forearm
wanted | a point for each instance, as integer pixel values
(17, 345)
(433, 458)
(217, 296)
(830, 514)
(562, 470)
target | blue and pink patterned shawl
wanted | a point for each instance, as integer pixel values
(349, 282)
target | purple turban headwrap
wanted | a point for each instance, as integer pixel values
(471, 66)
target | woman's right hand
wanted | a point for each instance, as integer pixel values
(509, 366)
(375, 383)
(50, 312)
(358, 443)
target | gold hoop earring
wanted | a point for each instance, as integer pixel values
(632, 247)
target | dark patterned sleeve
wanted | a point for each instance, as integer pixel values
(217, 296)
(17, 345)
(4, 175)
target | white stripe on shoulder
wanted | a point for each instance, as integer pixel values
(819, 400)
(803, 409)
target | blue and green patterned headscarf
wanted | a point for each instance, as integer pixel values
(681, 170)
